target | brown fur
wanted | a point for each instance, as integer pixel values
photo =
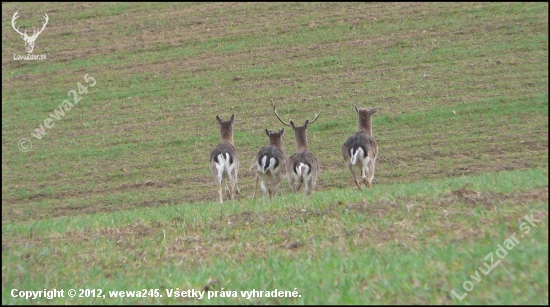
(302, 155)
(362, 139)
(225, 147)
(274, 149)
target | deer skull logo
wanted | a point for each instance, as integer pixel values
(29, 40)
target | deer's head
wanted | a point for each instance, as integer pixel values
(365, 121)
(226, 128)
(300, 132)
(29, 40)
(275, 137)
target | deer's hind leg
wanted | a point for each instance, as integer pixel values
(220, 190)
(350, 167)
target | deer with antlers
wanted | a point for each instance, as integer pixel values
(29, 40)
(361, 149)
(224, 161)
(301, 167)
(269, 165)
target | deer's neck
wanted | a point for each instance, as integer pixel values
(365, 125)
(276, 143)
(227, 136)
(301, 141)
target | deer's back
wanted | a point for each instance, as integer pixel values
(272, 152)
(222, 148)
(305, 157)
(363, 141)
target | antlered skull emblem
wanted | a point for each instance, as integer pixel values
(29, 40)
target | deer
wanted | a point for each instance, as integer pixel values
(269, 165)
(29, 40)
(301, 167)
(224, 161)
(361, 149)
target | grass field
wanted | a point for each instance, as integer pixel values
(116, 192)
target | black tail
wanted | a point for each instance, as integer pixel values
(267, 162)
(216, 152)
(354, 148)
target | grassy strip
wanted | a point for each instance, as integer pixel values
(420, 240)
(498, 182)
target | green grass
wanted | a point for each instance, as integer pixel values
(118, 195)
(332, 250)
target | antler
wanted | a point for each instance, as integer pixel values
(15, 16)
(316, 116)
(276, 114)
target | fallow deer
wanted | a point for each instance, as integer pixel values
(361, 149)
(269, 165)
(224, 161)
(301, 167)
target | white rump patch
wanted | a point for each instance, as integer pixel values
(359, 154)
(302, 169)
(263, 163)
(224, 167)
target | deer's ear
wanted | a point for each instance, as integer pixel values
(267, 132)
(282, 131)
(232, 118)
(219, 119)
(306, 123)
(373, 110)
(292, 124)
(357, 111)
